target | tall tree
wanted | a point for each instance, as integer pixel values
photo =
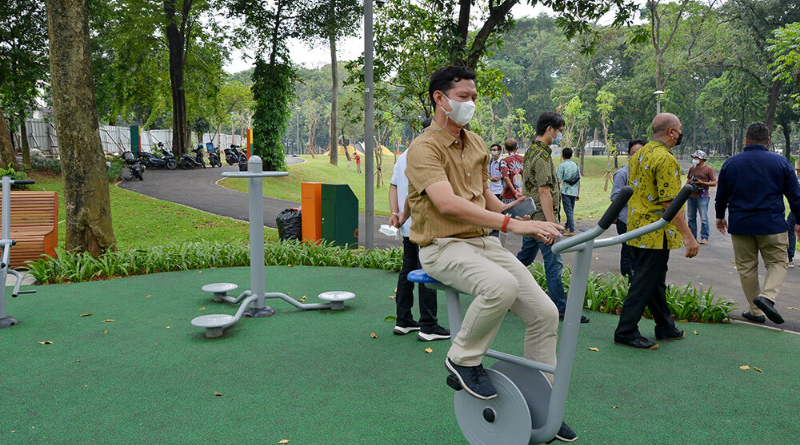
(180, 23)
(23, 65)
(330, 20)
(468, 47)
(268, 27)
(137, 68)
(760, 18)
(88, 206)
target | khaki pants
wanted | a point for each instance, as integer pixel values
(482, 267)
(773, 251)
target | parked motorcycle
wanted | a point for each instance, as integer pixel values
(151, 160)
(232, 155)
(242, 160)
(213, 158)
(134, 166)
(188, 161)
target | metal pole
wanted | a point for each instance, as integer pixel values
(255, 191)
(297, 128)
(369, 152)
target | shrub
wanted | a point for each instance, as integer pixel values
(46, 164)
(77, 267)
(14, 175)
(114, 168)
(606, 293)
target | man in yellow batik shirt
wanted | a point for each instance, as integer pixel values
(656, 180)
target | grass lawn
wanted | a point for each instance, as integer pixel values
(142, 221)
(593, 202)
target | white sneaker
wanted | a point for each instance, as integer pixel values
(791, 264)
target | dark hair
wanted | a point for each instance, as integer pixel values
(637, 141)
(499, 148)
(511, 145)
(549, 119)
(757, 133)
(567, 153)
(427, 122)
(444, 79)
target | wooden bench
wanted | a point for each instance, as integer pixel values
(34, 226)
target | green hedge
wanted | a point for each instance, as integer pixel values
(66, 268)
(604, 293)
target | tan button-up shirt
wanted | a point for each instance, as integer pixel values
(436, 156)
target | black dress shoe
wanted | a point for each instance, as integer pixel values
(639, 343)
(754, 318)
(769, 309)
(677, 334)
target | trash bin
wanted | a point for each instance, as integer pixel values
(290, 224)
(339, 215)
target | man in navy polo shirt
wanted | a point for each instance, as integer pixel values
(751, 187)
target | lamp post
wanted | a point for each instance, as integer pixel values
(733, 137)
(658, 101)
(297, 128)
(369, 195)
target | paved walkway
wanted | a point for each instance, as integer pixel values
(712, 267)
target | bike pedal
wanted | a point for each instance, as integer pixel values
(453, 383)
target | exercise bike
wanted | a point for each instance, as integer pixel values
(528, 409)
(6, 243)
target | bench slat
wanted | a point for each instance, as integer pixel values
(33, 225)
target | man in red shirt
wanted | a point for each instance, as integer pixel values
(511, 171)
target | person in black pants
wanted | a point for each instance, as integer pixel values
(655, 178)
(428, 326)
(627, 259)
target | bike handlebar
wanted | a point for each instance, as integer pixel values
(616, 206)
(677, 203)
(23, 181)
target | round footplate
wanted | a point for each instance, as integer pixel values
(503, 420)
(214, 321)
(337, 298)
(219, 289)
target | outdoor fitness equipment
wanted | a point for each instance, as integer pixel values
(527, 409)
(254, 304)
(6, 243)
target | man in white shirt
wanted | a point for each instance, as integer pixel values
(428, 326)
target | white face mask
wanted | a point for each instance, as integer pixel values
(695, 161)
(494, 153)
(462, 112)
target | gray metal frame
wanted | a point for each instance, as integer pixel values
(6, 243)
(582, 244)
(255, 304)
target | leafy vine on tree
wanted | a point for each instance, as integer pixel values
(273, 90)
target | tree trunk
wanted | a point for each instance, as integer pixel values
(7, 157)
(334, 102)
(26, 148)
(177, 60)
(84, 171)
(787, 135)
(772, 104)
(346, 143)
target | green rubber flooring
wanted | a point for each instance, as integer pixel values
(136, 371)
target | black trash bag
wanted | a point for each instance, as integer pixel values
(290, 224)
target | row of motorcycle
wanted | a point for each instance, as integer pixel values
(235, 155)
